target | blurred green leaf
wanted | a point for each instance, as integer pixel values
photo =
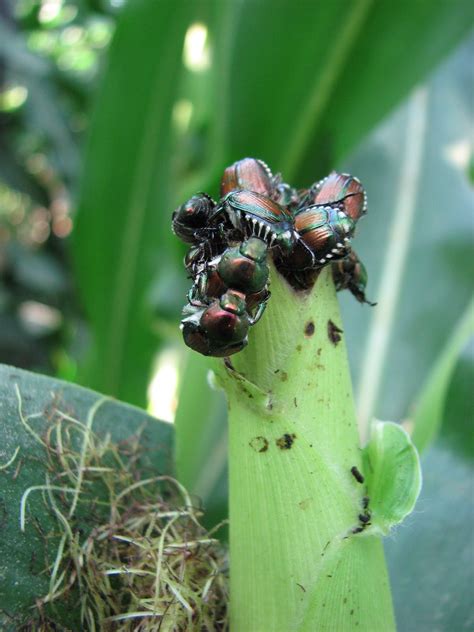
(36, 399)
(416, 243)
(430, 407)
(38, 272)
(458, 416)
(123, 231)
(430, 556)
(426, 301)
(328, 72)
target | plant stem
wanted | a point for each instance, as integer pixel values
(295, 563)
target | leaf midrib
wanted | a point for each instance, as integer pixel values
(324, 85)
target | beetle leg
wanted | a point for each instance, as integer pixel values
(192, 300)
(260, 309)
(350, 274)
(314, 261)
(259, 313)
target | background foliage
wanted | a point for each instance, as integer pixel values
(91, 281)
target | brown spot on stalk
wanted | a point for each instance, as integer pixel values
(309, 329)
(304, 504)
(286, 441)
(259, 444)
(334, 333)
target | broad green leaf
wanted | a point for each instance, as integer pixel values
(433, 288)
(419, 263)
(122, 236)
(429, 410)
(392, 475)
(310, 80)
(430, 556)
(28, 404)
(422, 553)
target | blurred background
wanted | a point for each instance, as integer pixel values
(112, 113)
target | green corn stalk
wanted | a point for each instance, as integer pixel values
(296, 563)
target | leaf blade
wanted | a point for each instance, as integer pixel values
(27, 403)
(120, 238)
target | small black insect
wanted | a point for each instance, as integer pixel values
(357, 475)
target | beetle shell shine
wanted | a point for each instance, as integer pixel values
(219, 329)
(325, 231)
(242, 273)
(258, 206)
(249, 174)
(343, 188)
(192, 216)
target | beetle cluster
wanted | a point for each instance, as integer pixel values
(230, 241)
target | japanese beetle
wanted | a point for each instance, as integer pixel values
(190, 221)
(254, 175)
(245, 267)
(324, 232)
(219, 329)
(341, 190)
(223, 298)
(248, 174)
(253, 214)
(350, 274)
(286, 196)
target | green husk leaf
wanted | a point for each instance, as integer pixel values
(393, 476)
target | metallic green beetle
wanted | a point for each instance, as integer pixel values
(219, 329)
